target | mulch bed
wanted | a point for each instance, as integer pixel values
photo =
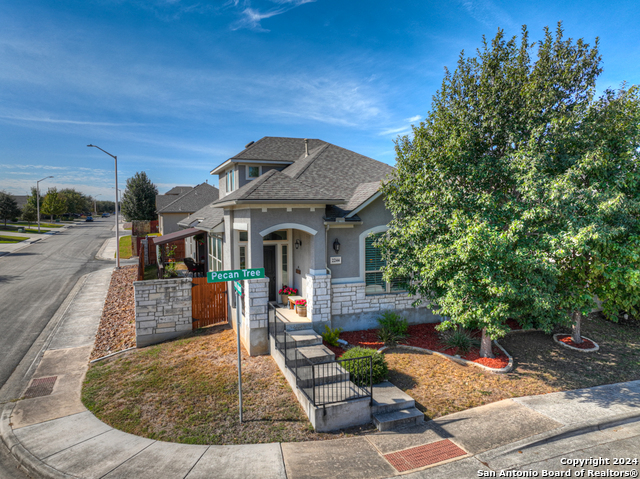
(423, 336)
(117, 330)
(586, 343)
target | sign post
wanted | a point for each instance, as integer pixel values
(236, 276)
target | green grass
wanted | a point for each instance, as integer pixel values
(11, 239)
(22, 224)
(126, 250)
(26, 230)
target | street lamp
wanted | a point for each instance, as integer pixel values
(38, 198)
(117, 227)
(95, 208)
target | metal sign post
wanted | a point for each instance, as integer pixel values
(238, 287)
(234, 276)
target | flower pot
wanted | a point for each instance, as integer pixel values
(302, 311)
(285, 299)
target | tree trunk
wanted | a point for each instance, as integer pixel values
(576, 317)
(485, 345)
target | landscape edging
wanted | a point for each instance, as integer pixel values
(463, 362)
(573, 348)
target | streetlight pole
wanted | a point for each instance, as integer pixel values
(95, 208)
(38, 198)
(117, 226)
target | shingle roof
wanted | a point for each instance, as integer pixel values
(179, 190)
(193, 200)
(209, 217)
(362, 193)
(277, 149)
(276, 186)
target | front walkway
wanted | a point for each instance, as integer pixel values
(54, 436)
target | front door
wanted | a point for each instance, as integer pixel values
(269, 255)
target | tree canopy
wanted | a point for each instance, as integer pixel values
(514, 176)
(8, 207)
(53, 204)
(139, 199)
(76, 202)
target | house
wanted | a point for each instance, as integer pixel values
(306, 211)
(180, 202)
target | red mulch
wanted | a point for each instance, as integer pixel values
(337, 350)
(513, 324)
(424, 336)
(586, 343)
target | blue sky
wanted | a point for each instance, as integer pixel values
(175, 87)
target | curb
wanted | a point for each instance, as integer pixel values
(573, 348)
(27, 461)
(101, 250)
(463, 362)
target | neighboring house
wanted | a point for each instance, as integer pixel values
(21, 200)
(184, 201)
(307, 212)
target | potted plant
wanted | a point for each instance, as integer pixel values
(285, 292)
(301, 307)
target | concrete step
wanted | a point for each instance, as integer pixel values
(306, 337)
(335, 392)
(388, 398)
(298, 324)
(326, 373)
(315, 354)
(397, 419)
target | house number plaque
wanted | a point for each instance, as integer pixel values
(335, 260)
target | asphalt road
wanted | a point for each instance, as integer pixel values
(34, 282)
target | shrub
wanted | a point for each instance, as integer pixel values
(393, 327)
(170, 271)
(331, 335)
(359, 370)
(461, 339)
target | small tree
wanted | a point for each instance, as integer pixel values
(29, 213)
(8, 207)
(468, 223)
(139, 199)
(53, 203)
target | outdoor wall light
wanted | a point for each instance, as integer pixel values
(336, 246)
(298, 243)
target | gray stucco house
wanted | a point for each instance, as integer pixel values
(307, 211)
(181, 201)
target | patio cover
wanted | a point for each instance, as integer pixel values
(177, 235)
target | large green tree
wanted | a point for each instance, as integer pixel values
(29, 213)
(139, 199)
(76, 202)
(480, 216)
(8, 207)
(53, 204)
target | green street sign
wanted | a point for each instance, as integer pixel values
(238, 287)
(234, 274)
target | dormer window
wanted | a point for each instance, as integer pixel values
(231, 180)
(253, 172)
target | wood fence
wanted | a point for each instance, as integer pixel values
(209, 303)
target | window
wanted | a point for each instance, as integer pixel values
(243, 257)
(276, 236)
(373, 265)
(231, 180)
(215, 253)
(244, 236)
(253, 172)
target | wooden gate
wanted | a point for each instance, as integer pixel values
(209, 302)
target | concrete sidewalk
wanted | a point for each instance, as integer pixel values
(54, 436)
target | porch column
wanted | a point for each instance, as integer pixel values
(319, 300)
(254, 322)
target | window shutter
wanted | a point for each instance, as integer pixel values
(373, 255)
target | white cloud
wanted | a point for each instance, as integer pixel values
(413, 119)
(488, 13)
(251, 17)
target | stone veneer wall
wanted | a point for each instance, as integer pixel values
(253, 330)
(319, 300)
(352, 310)
(163, 310)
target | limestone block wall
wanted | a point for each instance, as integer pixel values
(163, 310)
(318, 299)
(353, 310)
(253, 331)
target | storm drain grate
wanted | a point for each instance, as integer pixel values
(426, 455)
(40, 387)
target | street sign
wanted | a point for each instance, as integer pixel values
(234, 274)
(238, 287)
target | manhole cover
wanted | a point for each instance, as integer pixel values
(426, 455)
(40, 387)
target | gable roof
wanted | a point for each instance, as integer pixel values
(179, 190)
(278, 187)
(206, 218)
(276, 148)
(193, 200)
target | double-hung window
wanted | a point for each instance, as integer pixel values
(374, 262)
(231, 180)
(253, 172)
(215, 253)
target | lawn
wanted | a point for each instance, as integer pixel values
(126, 250)
(26, 230)
(186, 391)
(11, 239)
(442, 387)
